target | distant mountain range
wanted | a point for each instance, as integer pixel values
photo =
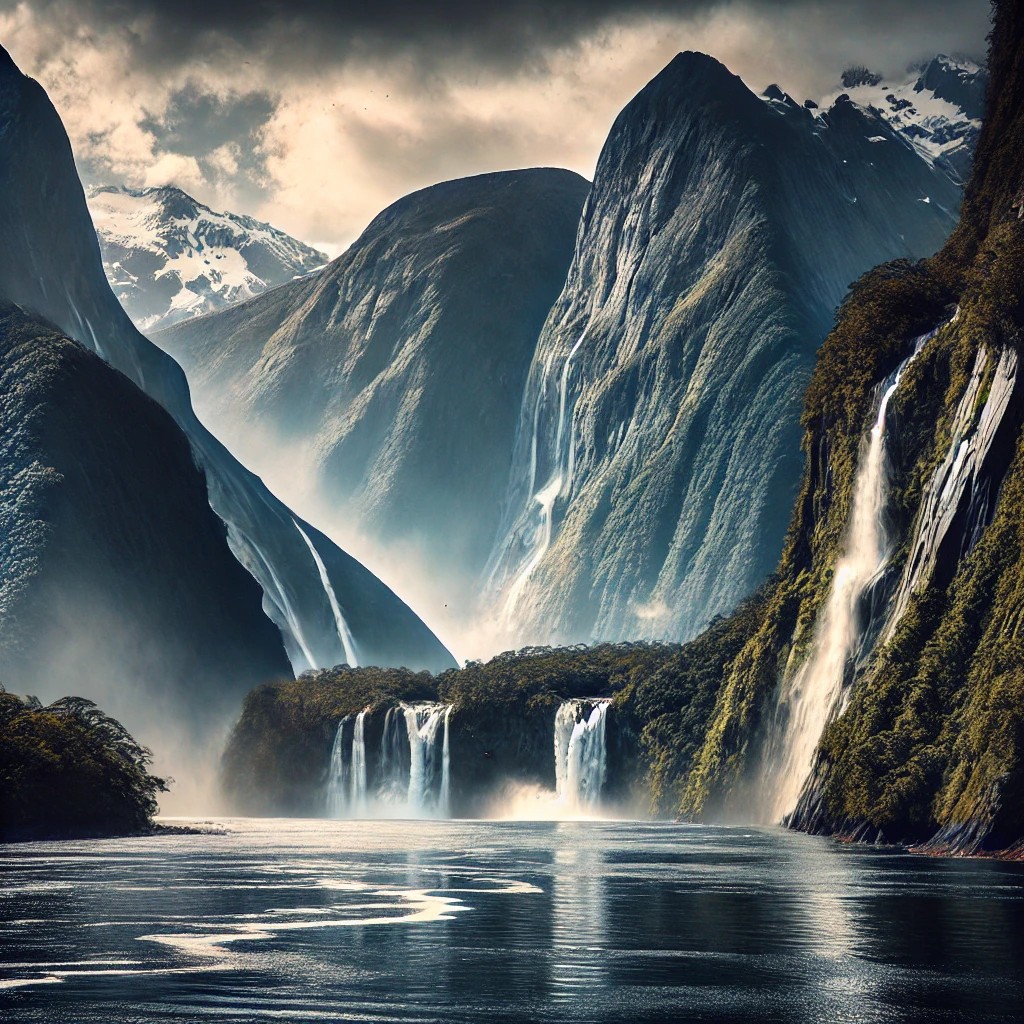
(169, 257)
(396, 374)
(141, 562)
(937, 107)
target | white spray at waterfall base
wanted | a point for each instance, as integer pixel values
(813, 694)
(581, 769)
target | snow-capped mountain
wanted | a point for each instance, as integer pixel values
(169, 257)
(937, 107)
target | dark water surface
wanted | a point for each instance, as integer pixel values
(503, 921)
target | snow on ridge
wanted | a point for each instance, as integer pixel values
(942, 132)
(169, 257)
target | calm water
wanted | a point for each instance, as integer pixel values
(494, 921)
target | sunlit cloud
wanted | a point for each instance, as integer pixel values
(314, 122)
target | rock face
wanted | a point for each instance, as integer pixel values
(400, 367)
(116, 573)
(170, 258)
(659, 431)
(328, 607)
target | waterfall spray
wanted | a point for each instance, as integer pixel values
(815, 690)
(558, 483)
(358, 769)
(346, 777)
(337, 794)
(428, 769)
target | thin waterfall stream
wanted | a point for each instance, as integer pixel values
(815, 691)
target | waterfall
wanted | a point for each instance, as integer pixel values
(581, 754)
(428, 772)
(543, 501)
(346, 777)
(358, 771)
(816, 688)
(344, 633)
(337, 790)
(446, 776)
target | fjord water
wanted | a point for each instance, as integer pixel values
(303, 920)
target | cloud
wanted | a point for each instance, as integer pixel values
(316, 115)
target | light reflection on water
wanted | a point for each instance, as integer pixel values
(503, 921)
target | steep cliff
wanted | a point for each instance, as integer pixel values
(115, 573)
(398, 370)
(328, 607)
(656, 453)
(922, 736)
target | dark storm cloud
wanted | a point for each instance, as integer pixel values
(501, 35)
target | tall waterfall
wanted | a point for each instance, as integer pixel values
(581, 754)
(337, 775)
(346, 778)
(357, 803)
(507, 576)
(814, 692)
(428, 759)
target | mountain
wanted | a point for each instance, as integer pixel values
(399, 369)
(937, 107)
(329, 609)
(116, 573)
(169, 257)
(874, 688)
(657, 449)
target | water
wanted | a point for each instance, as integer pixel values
(357, 799)
(344, 633)
(496, 921)
(581, 755)
(813, 693)
(542, 503)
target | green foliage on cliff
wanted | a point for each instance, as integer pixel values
(278, 753)
(69, 770)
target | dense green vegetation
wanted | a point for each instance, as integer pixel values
(278, 754)
(69, 770)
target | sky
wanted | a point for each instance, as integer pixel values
(316, 114)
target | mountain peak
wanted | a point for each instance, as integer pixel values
(169, 257)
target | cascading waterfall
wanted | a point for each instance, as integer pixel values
(337, 776)
(412, 776)
(358, 792)
(816, 689)
(429, 773)
(558, 483)
(581, 754)
(394, 758)
(346, 778)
